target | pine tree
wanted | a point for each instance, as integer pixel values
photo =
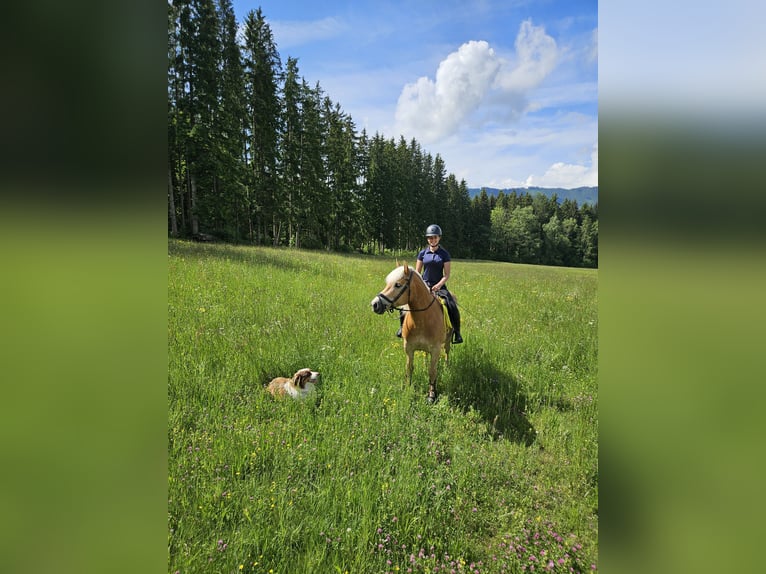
(231, 174)
(481, 226)
(291, 147)
(459, 207)
(313, 206)
(342, 173)
(263, 72)
(173, 139)
(441, 200)
(203, 50)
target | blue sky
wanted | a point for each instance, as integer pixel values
(506, 91)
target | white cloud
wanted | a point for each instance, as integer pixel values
(592, 54)
(537, 56)
(432, 110)
(568, 175)
(290, 33)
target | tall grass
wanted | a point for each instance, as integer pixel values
(500, 475)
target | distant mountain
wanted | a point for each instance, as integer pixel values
(579, 194)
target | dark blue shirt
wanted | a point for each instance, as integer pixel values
(433, 265)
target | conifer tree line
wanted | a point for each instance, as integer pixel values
(257, 155)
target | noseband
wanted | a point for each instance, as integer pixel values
(390, 302)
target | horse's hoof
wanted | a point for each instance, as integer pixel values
(431, 398)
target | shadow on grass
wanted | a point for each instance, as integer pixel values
(473, 381)
(270, 257)
(262, 254)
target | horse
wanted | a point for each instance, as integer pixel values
(424, 327)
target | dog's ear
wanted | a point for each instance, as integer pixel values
(299, 378)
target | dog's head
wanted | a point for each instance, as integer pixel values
(304, 379)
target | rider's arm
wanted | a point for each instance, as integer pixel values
(445, 277)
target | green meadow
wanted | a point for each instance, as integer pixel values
(499, 475)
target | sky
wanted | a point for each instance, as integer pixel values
(505, 91)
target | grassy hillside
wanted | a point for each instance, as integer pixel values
(500, 475)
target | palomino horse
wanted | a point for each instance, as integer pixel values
(424, 327)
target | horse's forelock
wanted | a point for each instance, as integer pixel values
(395, 275)
(398, 274)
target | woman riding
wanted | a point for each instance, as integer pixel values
(434, 264)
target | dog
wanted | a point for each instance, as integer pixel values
(302, 384)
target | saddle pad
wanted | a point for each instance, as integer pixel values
(447, 322)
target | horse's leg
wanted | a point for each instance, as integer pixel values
(409, 366)
(433, 370)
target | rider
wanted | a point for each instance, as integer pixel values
(435, 264)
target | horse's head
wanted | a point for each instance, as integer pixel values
(395, 292)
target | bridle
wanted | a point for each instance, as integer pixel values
(405, 287)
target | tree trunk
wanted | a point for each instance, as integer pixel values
(194, 217)
(184, 191)
(172, 205)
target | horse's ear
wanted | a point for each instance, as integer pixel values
(406, 268)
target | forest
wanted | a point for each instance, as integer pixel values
(256, 155)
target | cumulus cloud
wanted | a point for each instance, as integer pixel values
(434, 109)
(537, 56)
(567, 175)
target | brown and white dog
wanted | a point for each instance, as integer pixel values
(301, 384)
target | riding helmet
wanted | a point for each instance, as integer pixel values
(433, 230)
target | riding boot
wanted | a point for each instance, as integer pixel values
(455, 318)
(401, 324)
